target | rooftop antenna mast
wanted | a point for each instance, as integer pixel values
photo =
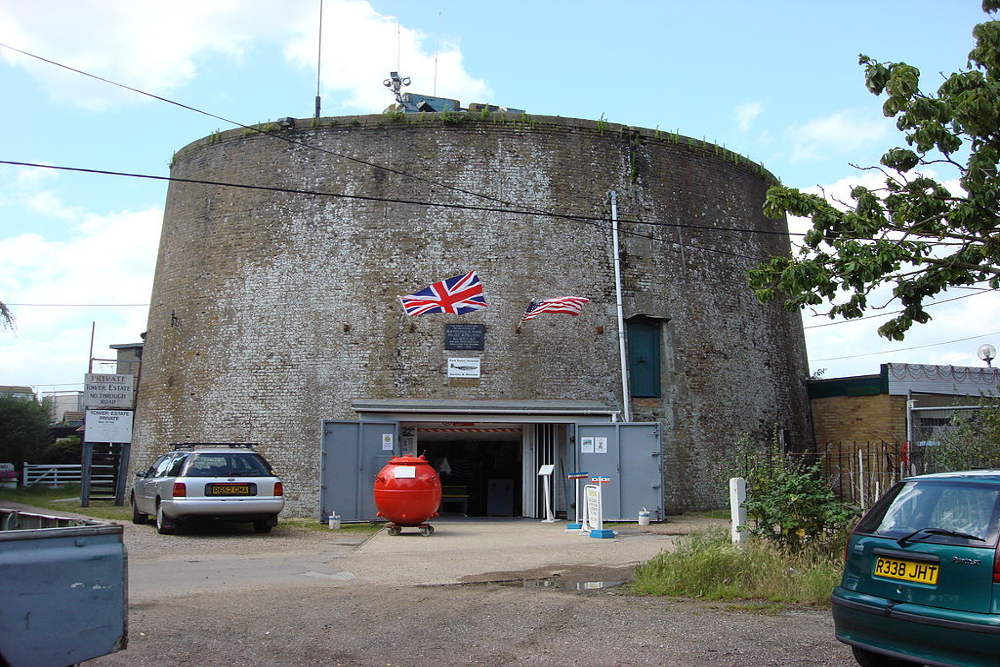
(437, 50)
(319, 55)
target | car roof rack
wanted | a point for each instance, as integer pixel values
(233, 445)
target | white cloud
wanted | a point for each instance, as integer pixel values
(840, 132)
(39, 270)
(157, 46)
(746, 113)
(361, 47)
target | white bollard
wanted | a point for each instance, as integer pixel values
(737, 513)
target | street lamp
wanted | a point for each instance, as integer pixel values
(987, 353)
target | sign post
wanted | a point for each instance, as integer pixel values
(545, 472)
(577, 500)
(595, 517)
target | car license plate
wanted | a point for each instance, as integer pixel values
(229, 490)
(907, 570)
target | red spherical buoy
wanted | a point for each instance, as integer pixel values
(407, 492)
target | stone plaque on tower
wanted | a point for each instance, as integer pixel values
(464, 336)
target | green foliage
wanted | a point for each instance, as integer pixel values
(6, 317)
(789, 503)
(972, 443)
(24, 430)
(602, 124)
(709, 566)
(394, 114)
(63, 450)
(913, 234)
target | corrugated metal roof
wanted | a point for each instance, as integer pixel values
(950, 380)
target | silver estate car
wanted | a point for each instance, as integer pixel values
(227, 481)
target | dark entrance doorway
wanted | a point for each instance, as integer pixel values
(478, 477)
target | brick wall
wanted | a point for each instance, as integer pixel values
(859, 418)
(253, 289)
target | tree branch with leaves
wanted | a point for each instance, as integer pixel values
(914, 233)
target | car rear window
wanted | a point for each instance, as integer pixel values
(955, 507)
(225, 464)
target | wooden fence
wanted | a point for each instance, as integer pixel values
(861, 471)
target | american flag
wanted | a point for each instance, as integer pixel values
(458, 295)
(570, 305)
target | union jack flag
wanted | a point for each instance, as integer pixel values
(571, 305)
(457, 295)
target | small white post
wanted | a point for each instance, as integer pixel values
(861, 478)
(549, 516)
(577, 501)
(737, 512)
(545, 472)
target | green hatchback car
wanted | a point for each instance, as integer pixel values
(921, 577)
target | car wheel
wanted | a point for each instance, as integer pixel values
(164, 524)
(867, 658)
(137, 516)
(262, 526)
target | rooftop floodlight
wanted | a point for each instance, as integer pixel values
(987, 353)
(396, 82)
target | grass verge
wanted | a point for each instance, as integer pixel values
(65, 499)
(709, 567)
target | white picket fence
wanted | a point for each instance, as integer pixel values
(58, 474)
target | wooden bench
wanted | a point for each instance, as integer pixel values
(455, 494)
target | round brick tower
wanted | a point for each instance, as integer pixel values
(274, 310)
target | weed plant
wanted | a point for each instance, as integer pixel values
(708, 566)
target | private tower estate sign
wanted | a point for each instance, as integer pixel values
(105, 391)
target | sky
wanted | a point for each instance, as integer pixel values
(777, 81)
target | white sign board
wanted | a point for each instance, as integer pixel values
(600, 445)
(587, 445)
(104, 390)
(404, 472)
(546, 469)
(595, 517)
(463, 367)
(387, 442)
(109, 426)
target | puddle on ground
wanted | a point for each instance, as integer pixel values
(560, 584)
(571, 579)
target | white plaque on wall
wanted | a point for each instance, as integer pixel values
(463, 367)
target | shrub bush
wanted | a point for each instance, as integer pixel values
(973, 441)
(789, 503)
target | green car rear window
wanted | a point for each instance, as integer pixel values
(956, 507)
(225, 464)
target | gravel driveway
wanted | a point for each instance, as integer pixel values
(295, 597)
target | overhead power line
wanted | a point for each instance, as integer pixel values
(594, 221)
(374, 165)
(893, 312)
(79, 305)
(905, 349)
